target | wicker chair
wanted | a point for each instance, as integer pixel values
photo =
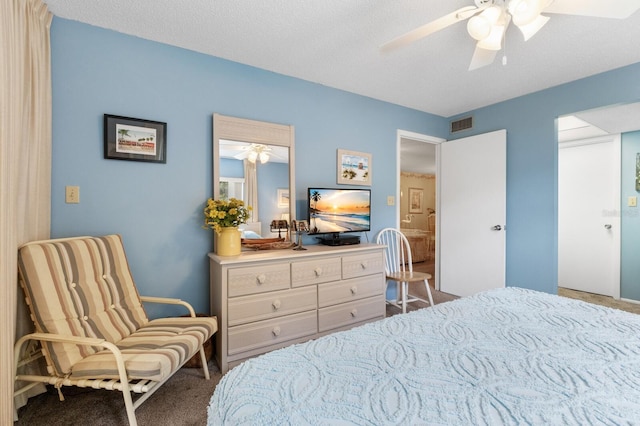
(91, 324)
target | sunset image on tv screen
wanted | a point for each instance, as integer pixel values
(339, 210)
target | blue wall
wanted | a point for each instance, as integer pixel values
(630, 220)
(532, 166)
(157, 208)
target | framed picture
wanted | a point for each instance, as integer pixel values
(127, 138)
(416, 200)
(354, 168)
(283, 198)
(301, 225)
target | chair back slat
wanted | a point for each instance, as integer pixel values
(79, 287)
(397, 253)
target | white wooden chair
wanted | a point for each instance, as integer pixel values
(91, 324)
(399, 268)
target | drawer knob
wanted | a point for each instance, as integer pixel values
(262, 278)
(354, 312)
(276, 331)
(354, 289)
(363, 265)
(318, 271)
(276, 304)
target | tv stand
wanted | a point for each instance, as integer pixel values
(339, 240)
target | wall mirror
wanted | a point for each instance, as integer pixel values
(254, 161)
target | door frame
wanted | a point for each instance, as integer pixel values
(419, 137)
(616, 140)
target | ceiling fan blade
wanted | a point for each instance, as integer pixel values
(619, 9)
(430, 28)
(482, 58)
(241, 156)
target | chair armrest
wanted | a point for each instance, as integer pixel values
(169, 301)
(61, 338)
(77, 340)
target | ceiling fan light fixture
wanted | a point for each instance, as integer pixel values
(525, 12)
(494, 41)
(264, 157)
(492, 14)
(479, 27)
(531, 29)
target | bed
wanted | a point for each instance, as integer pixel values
(507, 356)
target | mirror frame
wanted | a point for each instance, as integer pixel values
(259, 132)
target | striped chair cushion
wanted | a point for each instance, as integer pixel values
(81, 287)
(154, 352)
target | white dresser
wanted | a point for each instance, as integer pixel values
(265, 300)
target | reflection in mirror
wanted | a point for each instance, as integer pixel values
(253, 161)
(231, 188)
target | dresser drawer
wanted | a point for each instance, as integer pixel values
(350, 313)
(258, 279)
(242, 310)
(264, 333)
(316, 271)
(362, 264)
(350, 290)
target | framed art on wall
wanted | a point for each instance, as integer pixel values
(134, 139)
(416, 200)
(283, 198)
(354, 167)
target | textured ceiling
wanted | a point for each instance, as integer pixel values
(336, 43)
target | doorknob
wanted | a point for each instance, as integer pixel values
(607, 226)
(497, 228)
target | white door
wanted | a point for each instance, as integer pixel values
(472, 213)
(589, 216)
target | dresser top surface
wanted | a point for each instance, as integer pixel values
(291, 254)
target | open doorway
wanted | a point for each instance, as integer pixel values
(590, 211)
(417, 196)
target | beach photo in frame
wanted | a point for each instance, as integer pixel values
(416, 200)
(134, 139)
(283, 198)
(354, 168)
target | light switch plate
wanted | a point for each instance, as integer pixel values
(391, 200)
(72, 194)
(632, 201)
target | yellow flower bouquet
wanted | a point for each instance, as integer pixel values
(220, 214)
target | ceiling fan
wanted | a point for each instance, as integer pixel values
(252, 151)
(488, 21)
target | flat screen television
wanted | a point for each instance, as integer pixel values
(334, 212)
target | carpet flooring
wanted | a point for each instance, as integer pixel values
(183, 399)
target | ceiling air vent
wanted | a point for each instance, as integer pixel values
(462, 124)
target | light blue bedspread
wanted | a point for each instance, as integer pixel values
(508, 356)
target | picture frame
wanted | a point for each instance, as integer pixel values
(301, 225)
(134, 139)
(353, 168)
(283, 198)
(416, 200)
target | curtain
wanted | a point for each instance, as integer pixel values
(251, 186)
(25, 162)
